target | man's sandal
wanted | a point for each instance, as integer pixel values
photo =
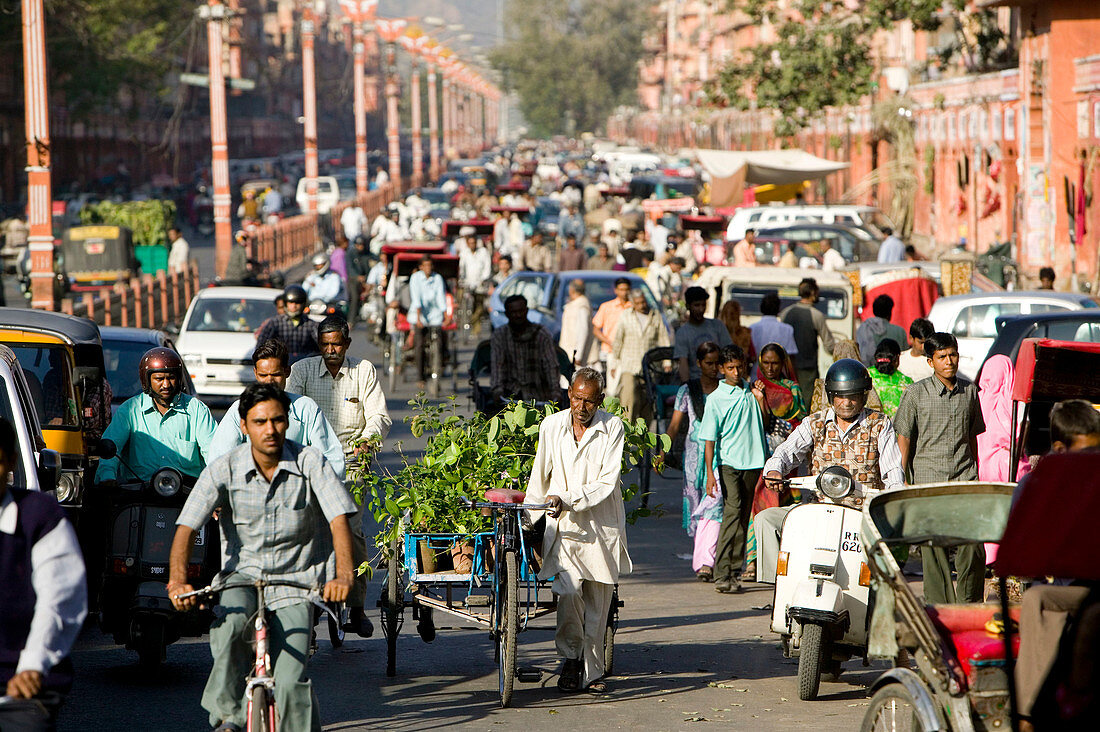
(569, 680)
(597, 687)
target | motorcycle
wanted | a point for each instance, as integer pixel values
(134, 604)
(319, 309)
(822, 583)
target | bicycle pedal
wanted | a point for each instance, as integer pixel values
(529, 675)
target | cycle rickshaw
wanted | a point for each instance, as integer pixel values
(464, 300)
(480, 366)
(498, 592)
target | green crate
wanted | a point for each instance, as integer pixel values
(152, 259)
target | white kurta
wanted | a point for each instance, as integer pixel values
(588, 540)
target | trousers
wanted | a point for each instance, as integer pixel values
(582, 620)
(1043, 617)
(632, 396)
(288, 642)
(970, 566)
(769, 525)
(738, 487)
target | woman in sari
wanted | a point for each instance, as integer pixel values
(702, 514)
(776, 377)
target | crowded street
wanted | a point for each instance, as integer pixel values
(639, 364)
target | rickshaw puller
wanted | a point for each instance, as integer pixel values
(847, 434)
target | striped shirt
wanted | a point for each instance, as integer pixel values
(352, 401)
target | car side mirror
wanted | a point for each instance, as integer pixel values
(105, 449)
(49, 469)
(172, 329)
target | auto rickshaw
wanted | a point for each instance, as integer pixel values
(62, 359)
(960, 682)
(97, 256)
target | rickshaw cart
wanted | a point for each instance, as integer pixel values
(405, 264)
(500, 592)
(1048, 371)
(961, 679)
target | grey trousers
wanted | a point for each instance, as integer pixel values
(288, 636)
(582, 619)
(1043, 617)
(768, 525)
(970, 566)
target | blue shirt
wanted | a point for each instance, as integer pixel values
(307, 426)
(148, 440)
(428, 299)
(892, 250)
(732, 421)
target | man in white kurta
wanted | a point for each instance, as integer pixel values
(578, 465)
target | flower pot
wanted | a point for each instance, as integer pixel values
(462, 554)
(427, 557)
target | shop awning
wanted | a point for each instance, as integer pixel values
(731, 171)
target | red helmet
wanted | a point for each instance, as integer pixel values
(159, 360)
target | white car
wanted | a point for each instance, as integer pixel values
(972, 319)
(328, 194)
(776, 215)
(218, 337)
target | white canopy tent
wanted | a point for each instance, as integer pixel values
(730, 170)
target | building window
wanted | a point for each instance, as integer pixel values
(1010, 124)
(998, 124)
(1096, 119)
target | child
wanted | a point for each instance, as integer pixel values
(733, 432)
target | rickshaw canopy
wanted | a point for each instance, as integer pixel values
(514, 186)
(703, 222)
(940, 514)
(415, 247)
(1050, 370)
(405, 263)
(80, 333)
(521, 210)
(484, 227)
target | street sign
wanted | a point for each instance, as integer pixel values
(204, 80)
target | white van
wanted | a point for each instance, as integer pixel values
(328, 194)
(766, 217)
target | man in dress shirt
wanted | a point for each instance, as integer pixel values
(577, 468)
(347, 390)
(307, 424)
(180, 253)
(769, 329)
(266, 479)
(475, 272)
(427, 309)
(43, 602)
(846, 434)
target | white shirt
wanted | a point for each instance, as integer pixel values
(915, 367)
(588, 540)
(178, 255)
(475, 267)
(353, 402)
(352, 221)
(832, 261)
(61, 604)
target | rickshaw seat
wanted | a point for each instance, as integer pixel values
(504, 495)
(964, 627)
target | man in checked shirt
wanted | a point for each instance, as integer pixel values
(347, 390)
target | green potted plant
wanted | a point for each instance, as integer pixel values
(464, 457)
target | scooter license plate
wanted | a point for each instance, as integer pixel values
(200, 537)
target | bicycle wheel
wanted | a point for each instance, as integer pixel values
(509, 628)
(436, 341)
(394, 357)
(391, 610)
(261, 711)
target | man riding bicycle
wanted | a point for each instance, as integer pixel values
(273, 495)
(847, 434)
(428, 308)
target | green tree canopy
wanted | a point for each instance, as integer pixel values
(572, 61)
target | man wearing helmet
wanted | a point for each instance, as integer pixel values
(293, 328)
(161, 427)
(324, 283)
(846, 434)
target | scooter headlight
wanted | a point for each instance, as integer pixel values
(835, 482)
(167, 482)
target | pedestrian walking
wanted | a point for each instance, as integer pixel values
(892, 249)
(809, 325)
(698, 329)
(730, 316)
(913, 363)
(603, 326)
(878, 328)
(938, 423)
(577, 470)
(770, 329)
(638, 330)
(744, 251)
(572, 257)
(179, 255)
(43, 602)
(889, 382)
(735, 449)
(576, 338)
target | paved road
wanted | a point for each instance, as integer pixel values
(686, 657)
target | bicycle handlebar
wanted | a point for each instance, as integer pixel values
(504, 506)
(254, 584)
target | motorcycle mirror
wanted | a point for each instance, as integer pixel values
(172, 329)
(105, 449)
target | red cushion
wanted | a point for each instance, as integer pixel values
(504, 495)
(967, 617)
(964, 627)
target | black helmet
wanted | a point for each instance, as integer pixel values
(295, 293)
(847, 376)
(159, 360)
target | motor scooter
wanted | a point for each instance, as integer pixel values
(134, 604)
(822, 583)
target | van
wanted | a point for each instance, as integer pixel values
(748, 285)
(766, 217)
(328, 194)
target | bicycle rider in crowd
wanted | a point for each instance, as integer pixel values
(267, 476)
(428, 308)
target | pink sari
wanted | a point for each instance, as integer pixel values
(995, 444)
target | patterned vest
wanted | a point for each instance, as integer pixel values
(857, 453)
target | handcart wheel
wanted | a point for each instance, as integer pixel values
(391, 611)
(509, 627)
(609, 636)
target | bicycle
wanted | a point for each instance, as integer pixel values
(260, 689)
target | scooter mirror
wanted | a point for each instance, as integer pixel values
(105, 449)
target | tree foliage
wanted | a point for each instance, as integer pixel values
(822, 53)
(572, 63)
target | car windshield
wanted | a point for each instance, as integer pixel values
(122, 359)
(16, 478)
(49, 371)
(230, 315)
(531, 286)
(832, 302)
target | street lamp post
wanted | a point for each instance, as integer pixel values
(360, 12)
(446, 112)
(433, 116)
(309, 104)
(215, 14)
(391, 30)
(37, 125)
(416, 43)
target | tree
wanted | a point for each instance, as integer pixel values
(572, 63)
